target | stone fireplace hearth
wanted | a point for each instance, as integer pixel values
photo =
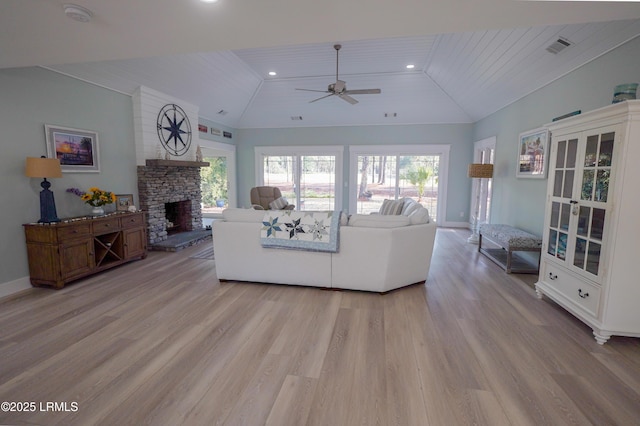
(169, 181)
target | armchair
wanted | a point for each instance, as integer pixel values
(263, 197)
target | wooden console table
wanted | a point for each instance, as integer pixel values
(77, 247)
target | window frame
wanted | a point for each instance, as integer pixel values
(299, 151)
(400, 151)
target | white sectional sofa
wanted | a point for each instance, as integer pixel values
(376, 253)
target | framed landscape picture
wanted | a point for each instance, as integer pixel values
(123, 202)
(533, 147)
(76, 149)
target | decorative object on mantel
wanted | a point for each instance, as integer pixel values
(76, 149)
(45, 168)
(624, 92)
(96, 198)
(159, 152)
(479, 172)
(532, 154)
(174, 129)
(199, 153)
(167, 156)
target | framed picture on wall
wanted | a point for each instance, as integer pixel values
(76, 149)
(533, 147)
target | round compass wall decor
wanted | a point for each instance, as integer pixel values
(174, 129)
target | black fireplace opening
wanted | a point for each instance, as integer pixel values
(178, 216)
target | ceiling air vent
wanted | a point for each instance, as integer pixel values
(296, 117)
(558, 45)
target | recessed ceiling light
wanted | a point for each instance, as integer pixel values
(410, 66)
(272, 73)
(77, 13)
(209, 1)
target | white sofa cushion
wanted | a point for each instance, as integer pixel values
(243, 215)
(409, 205)
(419, 216)
(416, 212)
(378, 221)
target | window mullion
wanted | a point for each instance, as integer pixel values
(296, 179)
(397, 188)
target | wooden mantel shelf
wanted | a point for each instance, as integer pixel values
(176, 163)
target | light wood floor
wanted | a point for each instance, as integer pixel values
(161, 341)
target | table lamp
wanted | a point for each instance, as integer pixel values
(45, 168)
(478, 171)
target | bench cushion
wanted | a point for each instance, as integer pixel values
(511, 238)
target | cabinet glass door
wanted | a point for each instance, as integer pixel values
(562, 198)
(594, 193)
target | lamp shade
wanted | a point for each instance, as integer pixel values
(42, 167)
(480, 170)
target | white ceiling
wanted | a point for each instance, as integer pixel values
(470, 60)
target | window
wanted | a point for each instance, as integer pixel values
(484, 153)
(306, 176)
(394, 172)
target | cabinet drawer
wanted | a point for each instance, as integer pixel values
(575, 289)
(103, 226)
(132, 221)
(77, 230)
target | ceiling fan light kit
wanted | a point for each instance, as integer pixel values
(339, 88)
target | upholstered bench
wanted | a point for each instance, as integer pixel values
(511, 240)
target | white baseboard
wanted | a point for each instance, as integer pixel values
(11, 287)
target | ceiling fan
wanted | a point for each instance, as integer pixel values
(339, 88)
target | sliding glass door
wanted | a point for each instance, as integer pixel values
(394, 172)
(306, 176)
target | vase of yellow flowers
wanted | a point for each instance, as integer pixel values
(96, 198)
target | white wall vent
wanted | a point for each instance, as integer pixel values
(559, 45)
(296, 117)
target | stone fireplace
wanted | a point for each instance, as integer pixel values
(161, 183)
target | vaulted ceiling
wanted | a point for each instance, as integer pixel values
(463, 71)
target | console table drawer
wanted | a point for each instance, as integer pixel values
(103, 226)
(574, 289)
(78, 230)
(132, 221)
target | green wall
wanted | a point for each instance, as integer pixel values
(31, 98)
(520, 202)
(458, 136)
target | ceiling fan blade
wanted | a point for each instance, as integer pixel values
(311, 90)
(363, 92)
(322, 97)
(347, 98)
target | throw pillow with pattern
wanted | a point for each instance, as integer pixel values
(391, 207)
